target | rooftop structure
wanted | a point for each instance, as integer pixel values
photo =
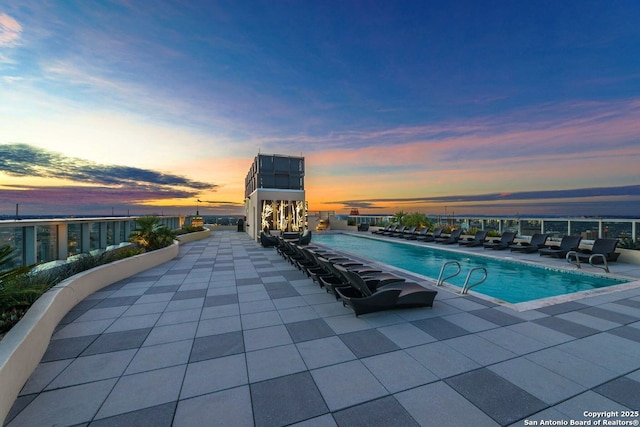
(274, 194)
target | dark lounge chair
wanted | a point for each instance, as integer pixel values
(305, 238)
(363, 298)
(453, 237)
(373, 278)
(382, 230)
(431, 237)
(391, 230)
(478, 240)
(406, 232)
(567, 244)
(602, 249)
(537, 241)
(416, 234)
(399, 231)
(268, 241)
(505, 241)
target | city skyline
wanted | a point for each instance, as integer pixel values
(518, 108)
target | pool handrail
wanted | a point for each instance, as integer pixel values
(440, 279)
(572, 258)
(467, 286)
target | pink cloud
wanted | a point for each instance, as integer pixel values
(10, 30)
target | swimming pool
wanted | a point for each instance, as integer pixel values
(509, 281)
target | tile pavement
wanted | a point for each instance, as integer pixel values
(230, 334)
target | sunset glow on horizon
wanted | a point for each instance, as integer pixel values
(516, 108)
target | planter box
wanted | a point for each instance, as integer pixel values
(24, 345)
(192, 237)
(629, 256)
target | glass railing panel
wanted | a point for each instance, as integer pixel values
(530, 227)
(511, 225)
(617, 229)
(589, 230)
(94, 236)
(74, 239)
(556, 229)
(492, 224)
(47, 243)
(110, 233)
(12, 237)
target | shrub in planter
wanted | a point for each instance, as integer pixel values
(21, 287)
(151, 234)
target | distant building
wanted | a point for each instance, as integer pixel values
(274, 194)
(196, 221)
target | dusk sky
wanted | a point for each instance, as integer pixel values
(473, 107)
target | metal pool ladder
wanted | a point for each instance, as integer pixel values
(441, 279)
(572, 258)
(467, 286)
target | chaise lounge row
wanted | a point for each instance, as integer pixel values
(604, 248)
(364, 288)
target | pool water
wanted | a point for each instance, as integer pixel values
(509, 281)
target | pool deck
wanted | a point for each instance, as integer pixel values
(231, 334)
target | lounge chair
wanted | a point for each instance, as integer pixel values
(567, 244)
(478, 240)
(431, 237)
(364, 298)
(453, 237)
(399, 231)
(391, 230)
(268, 241)
(537, 241)
(505, 241)
(381, 230)
(305, 238)
(602, 249)
(406, 232)
(373, 278)
(416, 234)
(291, 236)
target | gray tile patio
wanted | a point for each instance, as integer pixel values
(231, 334)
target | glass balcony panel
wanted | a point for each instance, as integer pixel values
(530, 227)
(13, 238)
(74, 239)
(511, 225)
(556, 229)
(617, 230)
(47, 243)
(589, 230)
(94, 236)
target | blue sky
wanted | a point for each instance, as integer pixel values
(498, 107)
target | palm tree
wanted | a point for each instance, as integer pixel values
(151, 234)
(398, 217)
(7, 254)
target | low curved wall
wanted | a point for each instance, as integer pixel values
(192, 237)
(23, 346)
